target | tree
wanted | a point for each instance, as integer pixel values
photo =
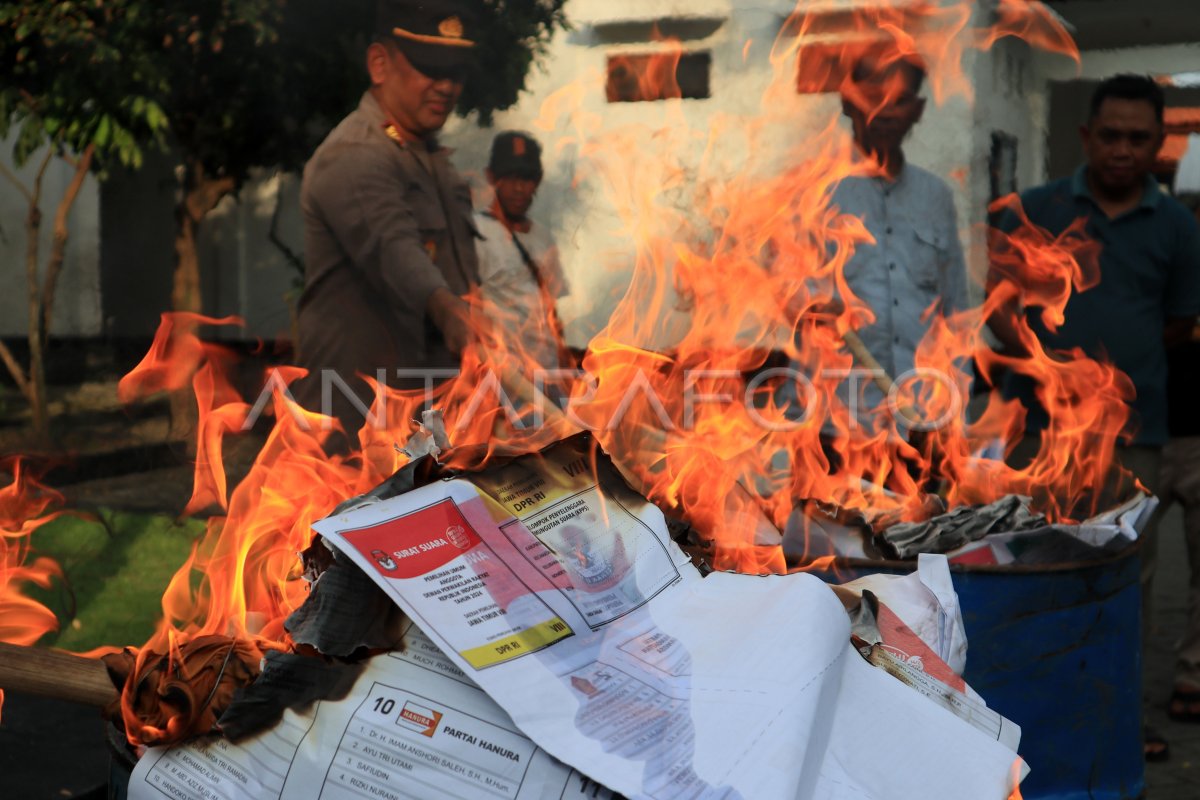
(512, 39)
(235, 84)
(74, 91)
(258, 83)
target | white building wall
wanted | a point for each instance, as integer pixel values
(597, 262)
(1011, 100)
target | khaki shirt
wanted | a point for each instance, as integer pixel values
(385, 225)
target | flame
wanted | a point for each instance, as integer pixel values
(731, 259)
(649, 76)
(24, 507)
(1017, 769)
(1035, 23)
(703, 309)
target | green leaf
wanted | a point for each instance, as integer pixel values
(30, 138)
(122, 140)
(102, 132)
(155, 117)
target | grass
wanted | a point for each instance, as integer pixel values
(116, 567)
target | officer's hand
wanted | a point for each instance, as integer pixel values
(451, 316)
(800, 304)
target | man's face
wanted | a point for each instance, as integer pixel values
(883, 107)
(418, 103)
(515, 194)
(1121, 142)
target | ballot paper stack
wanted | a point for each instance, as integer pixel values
(1006, 531)
(554, 642)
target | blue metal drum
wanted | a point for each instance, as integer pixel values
(1056, 649)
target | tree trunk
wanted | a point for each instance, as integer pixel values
(58, 249)
(201, 194)
(35, 385)
(40, 290)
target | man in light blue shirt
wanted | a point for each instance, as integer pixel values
(916, 261)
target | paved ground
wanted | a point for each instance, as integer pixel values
(50, 749)
(56, 750)
(1178, 778)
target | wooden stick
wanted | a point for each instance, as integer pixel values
(883, 380)
(54, 673)
(862, 355)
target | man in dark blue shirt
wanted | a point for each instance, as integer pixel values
(1148, 289)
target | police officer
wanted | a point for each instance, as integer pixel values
(388, 236)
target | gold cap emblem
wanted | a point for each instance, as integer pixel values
(451, 28)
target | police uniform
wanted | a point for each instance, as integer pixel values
(386, 223)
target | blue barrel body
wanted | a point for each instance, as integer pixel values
(1056, 649)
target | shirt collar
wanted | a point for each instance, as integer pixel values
(377, 119)
(1151, 194)
(371, 109)
(874, 174)
(495, 212)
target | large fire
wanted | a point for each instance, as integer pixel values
(732, 260)
(24, 507)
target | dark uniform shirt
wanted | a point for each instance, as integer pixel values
(386, 224)
(1149, 271)
(1183, 388)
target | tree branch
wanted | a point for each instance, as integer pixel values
(14, 369)
(37, 181)
(202, 193)
(6, 172)
(58, 250)
(36, 384)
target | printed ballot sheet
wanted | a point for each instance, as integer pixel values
(556, 589)
(414, 727)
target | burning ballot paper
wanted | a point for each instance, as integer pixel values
(412, 726)
(1005, 531)
(555, 588)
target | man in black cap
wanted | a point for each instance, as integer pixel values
(518, 263)
(388, 236)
